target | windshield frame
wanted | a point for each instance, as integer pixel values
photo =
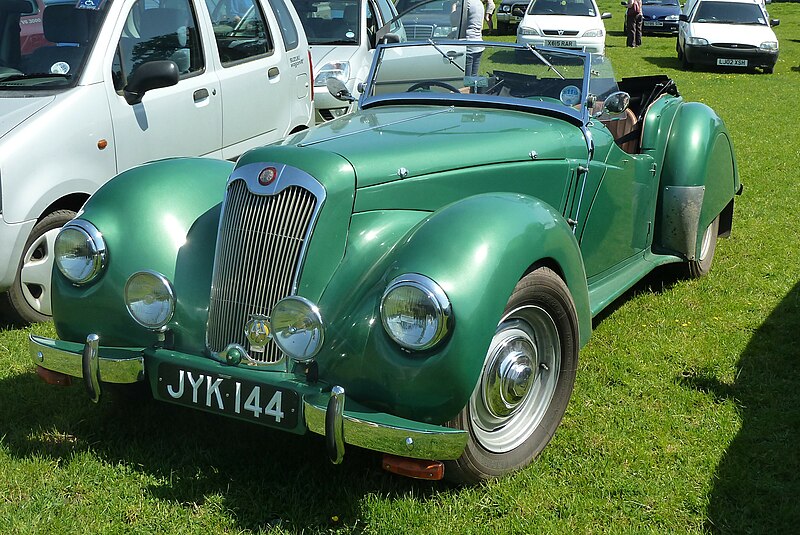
(577, 117)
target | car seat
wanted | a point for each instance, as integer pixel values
(68, 29)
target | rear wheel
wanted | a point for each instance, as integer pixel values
(701, 265)
(29, 295)
(525, 384)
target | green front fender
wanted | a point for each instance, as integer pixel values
(161, 216)
(698, 180)
(476, 249)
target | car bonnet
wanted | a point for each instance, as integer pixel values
(748, 34)
(14, 111)
(421, 140)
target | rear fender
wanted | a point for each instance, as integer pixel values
(698, 180)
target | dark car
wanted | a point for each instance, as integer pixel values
(660, 17)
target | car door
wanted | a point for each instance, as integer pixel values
(256, 83)
(181, 120)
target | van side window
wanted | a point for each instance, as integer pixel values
(154, 32)
(240, 30)
(286, 24)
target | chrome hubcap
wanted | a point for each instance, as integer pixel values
(37, 269)
(518, 381)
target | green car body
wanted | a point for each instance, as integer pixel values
(473, 198)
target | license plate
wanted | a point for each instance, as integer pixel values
(561, 43)
(653, 23)
(732, 62)
(260, 403)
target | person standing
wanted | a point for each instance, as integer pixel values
(474, 32)
(634, 22)
(489, 6)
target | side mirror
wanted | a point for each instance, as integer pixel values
(149, 76)
(774, 22)
(683, 17)
(605, 15)
(390, 38)
(624, 4)
(617, 102)
(338, 90)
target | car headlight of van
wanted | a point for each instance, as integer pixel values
(443, 31)
(696, 41)
(523, 30)
(80, 252)
(416, 312)
(769, 45)
(335, 69)
(297, 328)
(593, 33)
(150, 299)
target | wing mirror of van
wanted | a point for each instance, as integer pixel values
(338, 90)
(149, 76)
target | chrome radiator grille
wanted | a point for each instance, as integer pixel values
(258, 251)
(418, 32)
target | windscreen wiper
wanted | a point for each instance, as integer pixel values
(543, 60)
(445, 55)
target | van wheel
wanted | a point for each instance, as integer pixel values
(527, 378)
(29, 295)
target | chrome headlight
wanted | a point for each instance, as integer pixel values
(594, 33)
(335, 69)
(150, 299)
(80, 251)
(769, 45)
(696, 41)
(416, 312)
(297, 328)
(672, 17)
(528, 31)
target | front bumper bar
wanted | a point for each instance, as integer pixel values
(324, 412)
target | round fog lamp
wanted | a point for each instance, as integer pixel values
(150, 299)
(80, 252)
(297, 328)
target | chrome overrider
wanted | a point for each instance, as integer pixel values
(404, 438)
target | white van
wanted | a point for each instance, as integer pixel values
(90, 88)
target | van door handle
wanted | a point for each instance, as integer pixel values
(200, 94)
(273, 72)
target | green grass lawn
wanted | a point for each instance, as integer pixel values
(685, 416)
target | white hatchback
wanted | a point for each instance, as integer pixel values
(727, 33)
(573, 24)
(90, 88)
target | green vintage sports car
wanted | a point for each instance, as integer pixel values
(415, 278)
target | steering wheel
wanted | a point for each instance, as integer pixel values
(427, 84)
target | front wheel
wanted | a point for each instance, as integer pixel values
(525, 384)
(29, 295)
(701, 265)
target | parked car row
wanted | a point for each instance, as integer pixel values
(722, 33)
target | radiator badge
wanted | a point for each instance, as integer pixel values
(267, 176)
(258, 332)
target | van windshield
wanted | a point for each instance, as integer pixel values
(330, 22)
(729, 13)
(52, 44)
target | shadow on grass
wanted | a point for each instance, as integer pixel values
(757, 483)
(262, 477)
